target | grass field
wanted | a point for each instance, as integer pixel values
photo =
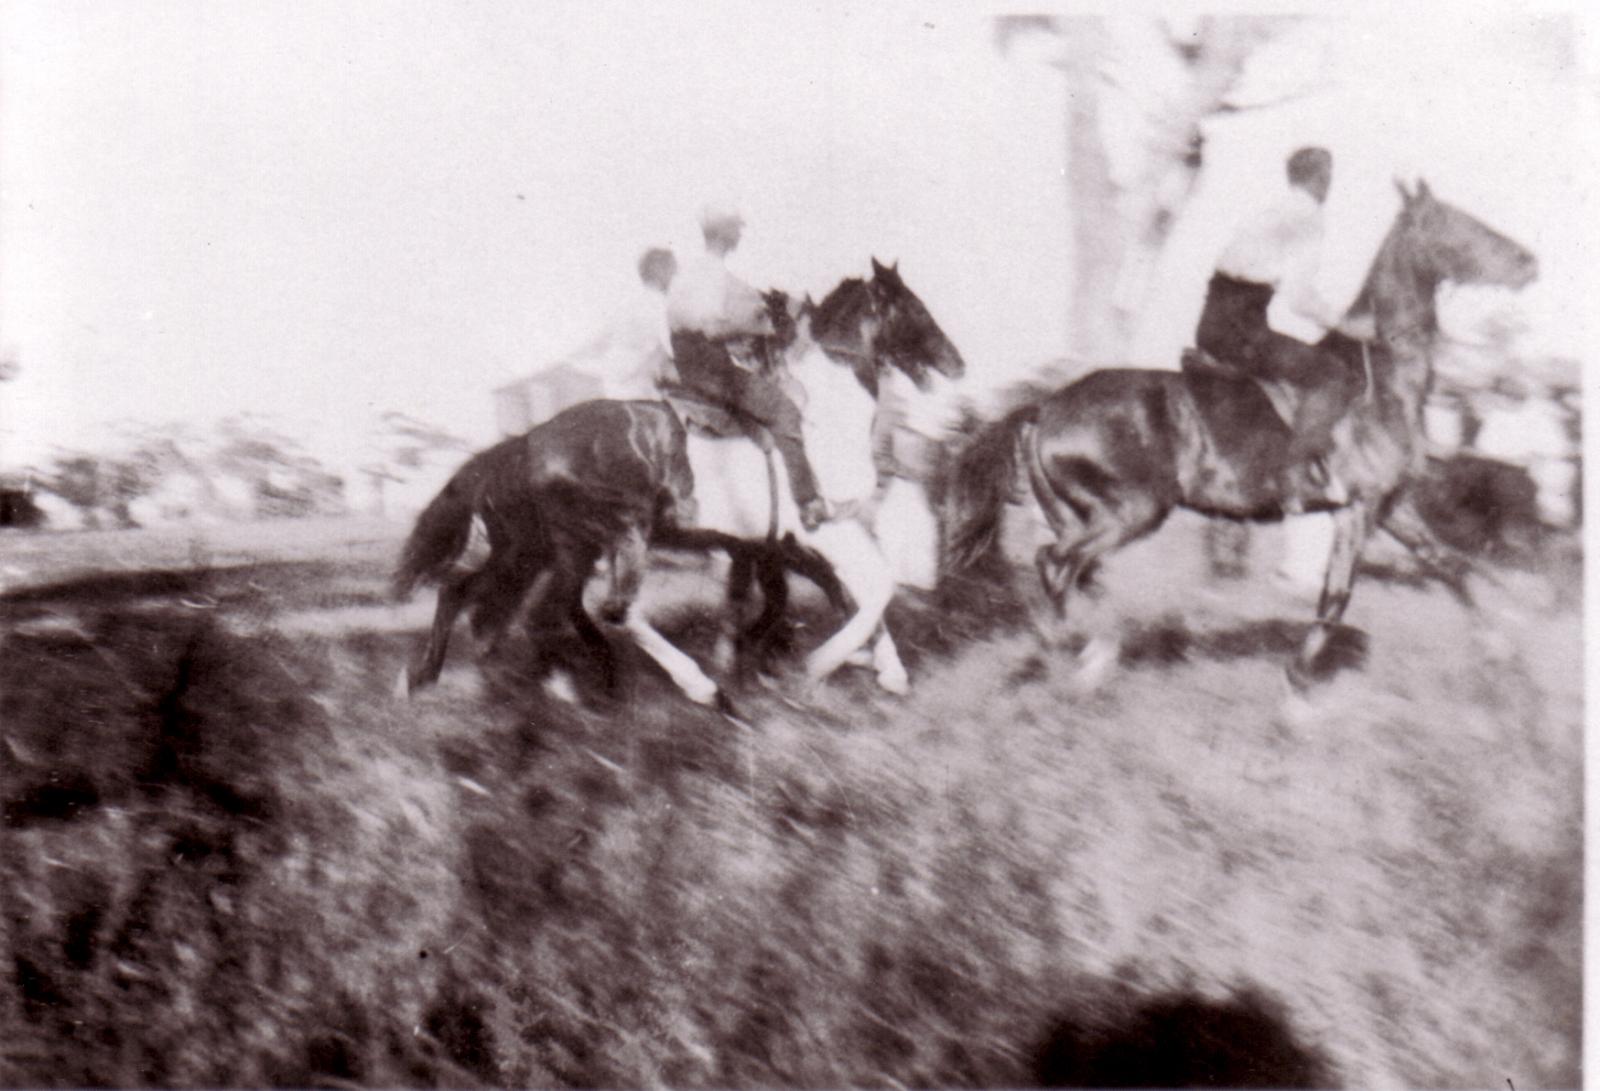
(233, 857)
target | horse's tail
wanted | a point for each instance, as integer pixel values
(980, 485)
(444, 527)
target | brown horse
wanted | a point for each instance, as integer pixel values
(597, 479)
(613, 479)
(1110, 455)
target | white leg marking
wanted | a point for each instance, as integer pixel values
(685, 673)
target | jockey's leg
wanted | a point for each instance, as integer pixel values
(766, 402)
(1322, 381)
(1324, 397)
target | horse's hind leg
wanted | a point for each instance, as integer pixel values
(453, 595)
(1109, 522)
(560, 605)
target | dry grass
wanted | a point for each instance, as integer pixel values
(234, 859)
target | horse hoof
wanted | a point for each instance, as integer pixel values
(559, 685)
(1297, 710)
(704, 692)
(1095, 665)
(896, 682)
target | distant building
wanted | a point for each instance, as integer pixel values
(522, 404)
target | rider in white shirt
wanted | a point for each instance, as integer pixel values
(1264, 315)
(714, 316)
(637, 345)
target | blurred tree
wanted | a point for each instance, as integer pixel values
(284, 480)
(16, 500)
(97, 485)
(1138, 90)
(412, 443)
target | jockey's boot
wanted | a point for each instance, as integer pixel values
(814, 512)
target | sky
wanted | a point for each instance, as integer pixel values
(321, 212)
(330, 210)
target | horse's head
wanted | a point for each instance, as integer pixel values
(906, 335)
(1456, 247)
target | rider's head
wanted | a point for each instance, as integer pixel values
(657, 267)
(1311, 169)
(722, 226)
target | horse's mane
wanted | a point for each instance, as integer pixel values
(1384, 262)
(838, 307)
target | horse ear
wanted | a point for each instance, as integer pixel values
(1405, 194)
(877, 269)
(1423, 190)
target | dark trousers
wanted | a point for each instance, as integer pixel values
(1233, 328)
(706, 367)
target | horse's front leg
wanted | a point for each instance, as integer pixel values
(1405, 524)
(684, 671)
(1351, 526)
(868, 578)
(729, 652)
(883, 658)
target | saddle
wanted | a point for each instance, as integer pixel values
(1280, 393)
(708, 416)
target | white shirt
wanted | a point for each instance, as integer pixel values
(633, 353)
(706, 298)
(1282, 246)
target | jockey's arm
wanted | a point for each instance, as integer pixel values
(744, 312)
(1298, 288)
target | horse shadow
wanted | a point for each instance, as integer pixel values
(1170, 641)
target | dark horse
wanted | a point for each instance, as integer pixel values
(1110, 455)
(612, 479)
(596, 479)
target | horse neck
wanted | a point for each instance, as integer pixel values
(1401, 293)
(836, 322)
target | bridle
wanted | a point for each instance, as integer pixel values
(867, 322)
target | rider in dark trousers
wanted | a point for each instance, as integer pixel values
(1263, 313)
(713, 316)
